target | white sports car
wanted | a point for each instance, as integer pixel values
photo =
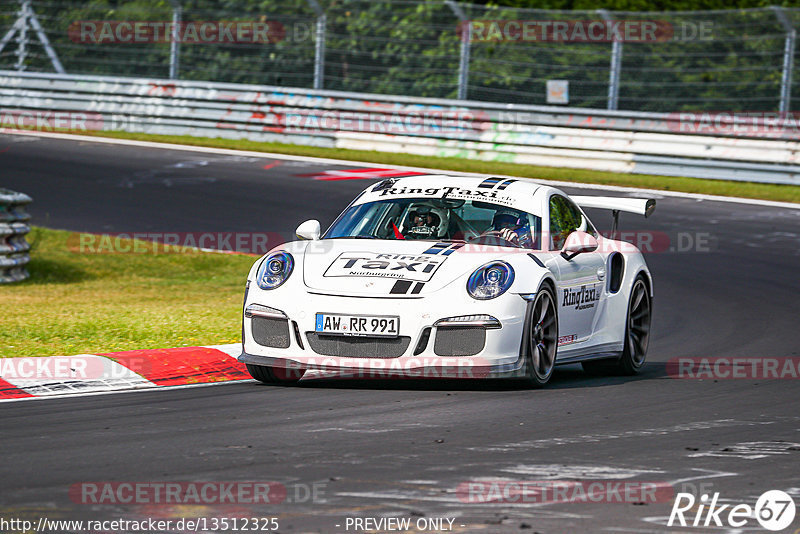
(440, 276)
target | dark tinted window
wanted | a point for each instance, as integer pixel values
(565, 218)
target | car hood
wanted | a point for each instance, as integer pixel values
(362, 267)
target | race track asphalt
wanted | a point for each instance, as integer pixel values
(381, 448)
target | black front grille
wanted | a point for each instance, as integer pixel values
(271, 332)
(459, 341)
(358, 347)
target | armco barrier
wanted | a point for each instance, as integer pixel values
(619, 141)
(13, 245)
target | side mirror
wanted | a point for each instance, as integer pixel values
(309, 230)
(578, 243)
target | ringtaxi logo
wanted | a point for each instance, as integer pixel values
(774, 510)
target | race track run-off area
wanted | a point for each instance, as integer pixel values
(315, 457)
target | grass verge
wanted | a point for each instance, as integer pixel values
(78, 303)
(785, 193)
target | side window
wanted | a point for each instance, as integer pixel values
(565, 218)
(535, 224)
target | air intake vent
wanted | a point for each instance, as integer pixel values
(271, 332)
(459, 341)
(358, 347)
(423, 341)
(297, 337)
(617, 269)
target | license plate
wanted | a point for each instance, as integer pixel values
(358, 325)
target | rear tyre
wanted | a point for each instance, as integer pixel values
(540, 340)
(637, 329)
(274, 375)
(637, 335)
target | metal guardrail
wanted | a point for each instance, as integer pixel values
(13, 246)
(734, 59)
(618, 141)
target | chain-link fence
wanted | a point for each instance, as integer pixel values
(733, 60)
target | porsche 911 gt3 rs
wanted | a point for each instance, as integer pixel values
(451, 276)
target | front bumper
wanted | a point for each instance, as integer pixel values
(500, 356)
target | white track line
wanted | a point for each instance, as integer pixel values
(329, 161)
(138, 390)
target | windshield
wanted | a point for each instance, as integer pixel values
(439, 220)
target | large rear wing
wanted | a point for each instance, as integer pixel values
(641, 206)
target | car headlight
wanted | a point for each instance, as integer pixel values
(274, 270)
(490, 281)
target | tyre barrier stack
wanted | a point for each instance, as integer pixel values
(14, 248)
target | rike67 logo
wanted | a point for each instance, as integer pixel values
(774, 510)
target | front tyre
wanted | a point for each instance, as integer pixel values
(540, 340)
(274, 375)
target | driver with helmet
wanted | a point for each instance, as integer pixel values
(427, 222)
(512, 226)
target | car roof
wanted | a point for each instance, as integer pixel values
(517, 193)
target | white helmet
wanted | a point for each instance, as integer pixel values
(434, 223)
